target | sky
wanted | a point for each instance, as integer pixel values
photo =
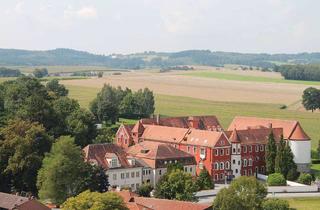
(128, 26)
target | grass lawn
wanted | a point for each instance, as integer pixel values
(316, 170)
(225, 111)
(304, 203)
(237, 77)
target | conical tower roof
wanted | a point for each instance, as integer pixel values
(298, 134)
(234, 137)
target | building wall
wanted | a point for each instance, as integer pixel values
(122, 138)
(221, 156)
(236, 159)
(302, 154)
(134, 182)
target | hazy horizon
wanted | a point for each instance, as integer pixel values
(123, 26)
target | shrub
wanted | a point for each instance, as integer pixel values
(276, 179)
(305, 179)
(275, 204)
(144, 190)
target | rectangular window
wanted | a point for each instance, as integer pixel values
(257, 148)
(245, 149)
(143, 172)
(216, 177)
(234, 161)
(221, 152)
(132, 174)
(137, 185)
(190, 169)
(114, 176)
(132, 186)
(160, 172)
(127, 175)
(261, 148)
(114, 162)
(250, 148)
(203, 151)
(137, 174)
(122, 175)
(194, 149)
(188, 149)
(227, 151)
(216, 152)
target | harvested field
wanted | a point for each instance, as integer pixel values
(213, 89)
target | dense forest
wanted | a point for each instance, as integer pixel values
(309, 72)
(7, 72)
(10, 57)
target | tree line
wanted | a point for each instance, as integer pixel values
(7, 72)
(310, 72)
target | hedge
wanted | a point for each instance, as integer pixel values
(276, 179)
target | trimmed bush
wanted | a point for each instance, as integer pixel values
(292, 175)
(276, 179)
(305, 179)
(275, 204)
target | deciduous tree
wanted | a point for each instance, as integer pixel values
(311, 99)
(204, 180)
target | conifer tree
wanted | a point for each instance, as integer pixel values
(281, 159)
(204, 180)
(271, 154)
(290, 171)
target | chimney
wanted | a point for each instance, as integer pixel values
(270, 125)
(193, 122)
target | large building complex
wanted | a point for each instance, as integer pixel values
(239, 150)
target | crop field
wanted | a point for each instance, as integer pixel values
(213, 89)
(304, 203)
(178, 106)
(239, 77)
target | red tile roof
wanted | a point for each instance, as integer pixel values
(234, 137)
(9, 201)
(255, 136)
(138, 128)
(288, 126)
(183, 136)
(161, 204)
(97, 153)
(204, 122)
(149, 151)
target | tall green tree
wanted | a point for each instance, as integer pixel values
(280, 160)
(63, 172)
(271, 154)
(95, 201)
(318, 149)
(81, 125)
(56, 89)
(176, 185)
(39, 73)
(105, 105)
(244, 193)
(290, 165)
(22, 150)
(204, 180)
(311, 99)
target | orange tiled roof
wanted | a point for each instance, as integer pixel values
(138, 128)
(255, 136)
(204, 122)
(159, 204)
(9, 201)
(149, 151)
(288, 126)
(97, 153)
(164, 133)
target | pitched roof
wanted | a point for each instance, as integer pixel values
(97, 153)
(9, 201)
(148, 152)
(159, 204)
(234, 137)
(204, 122)
(138, 128)
(164, 133)
(255, 135)
(184, 136)
(288, 126)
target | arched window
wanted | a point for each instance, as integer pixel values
(245, 162)
(250, 162)
(245, 149)
(227, 165)
(221, 165)
(216, 166)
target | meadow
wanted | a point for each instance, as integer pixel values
(238, 77)
(304, 203)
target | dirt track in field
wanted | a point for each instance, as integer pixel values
(202, 88)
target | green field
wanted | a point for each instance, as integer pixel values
(225, 111)
(237, 77)
(304, 203)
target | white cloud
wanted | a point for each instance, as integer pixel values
(87, 12)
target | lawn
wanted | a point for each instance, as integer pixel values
(225, 111)
(304, 203)
(237, 77)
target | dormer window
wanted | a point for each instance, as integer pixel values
(114, 162)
